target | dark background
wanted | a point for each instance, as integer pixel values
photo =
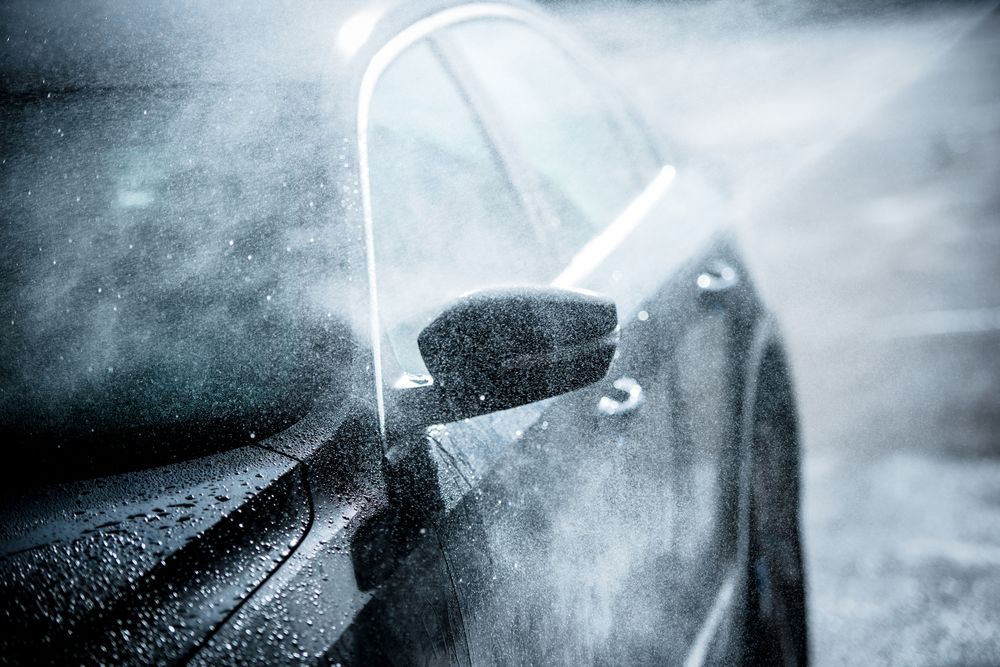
(861, 146)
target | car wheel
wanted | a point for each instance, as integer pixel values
(775, 631)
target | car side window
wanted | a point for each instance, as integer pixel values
(446, 218)
(586, 166)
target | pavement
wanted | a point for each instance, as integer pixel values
(861, 148)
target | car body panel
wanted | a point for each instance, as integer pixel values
(550, 532)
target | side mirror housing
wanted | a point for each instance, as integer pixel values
(500, 348)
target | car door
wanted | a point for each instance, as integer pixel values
(587, 527)
(663, 430)
(665, 423)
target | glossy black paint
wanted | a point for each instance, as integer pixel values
(499, 349)
(138, 567)
(326, 543)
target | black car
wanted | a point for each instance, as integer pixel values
(372, 334)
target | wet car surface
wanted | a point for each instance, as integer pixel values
(382, 334)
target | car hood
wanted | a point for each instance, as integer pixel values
(143, 566)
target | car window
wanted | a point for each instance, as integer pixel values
(446, 218)
(168, 262)
(587, 168)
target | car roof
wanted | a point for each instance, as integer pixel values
(78, 44)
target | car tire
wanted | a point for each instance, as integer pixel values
(775, 628)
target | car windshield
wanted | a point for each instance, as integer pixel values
(170, 262)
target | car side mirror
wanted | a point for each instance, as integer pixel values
(501, 348)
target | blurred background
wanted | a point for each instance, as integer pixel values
(860, 143)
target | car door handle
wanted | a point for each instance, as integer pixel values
(627, 398)
(717, 277)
